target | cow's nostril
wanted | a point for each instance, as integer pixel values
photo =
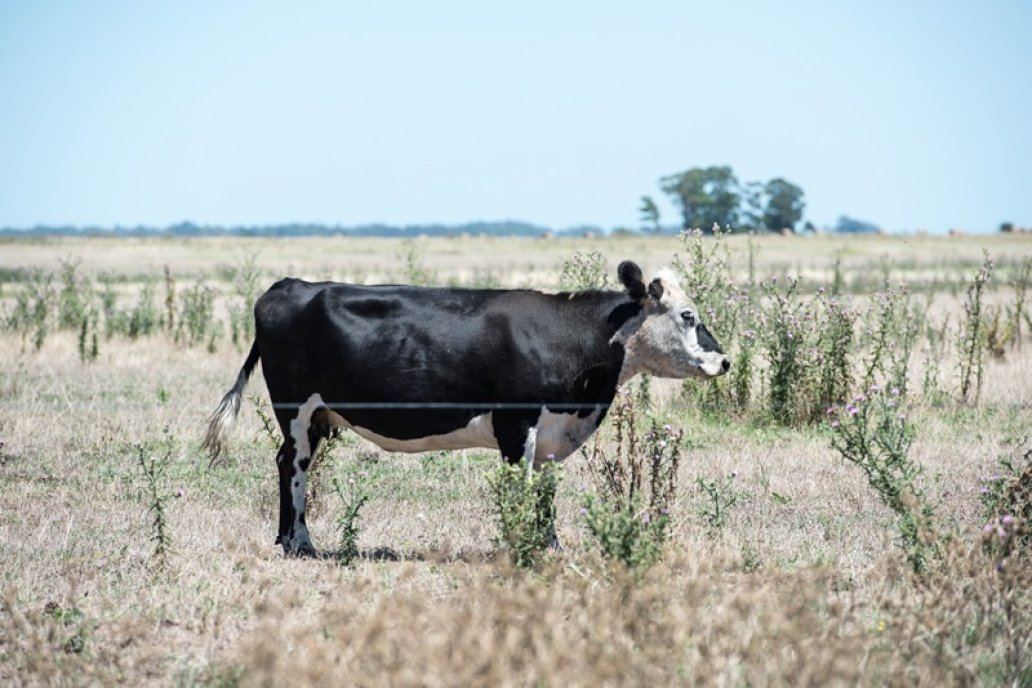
(725, 365)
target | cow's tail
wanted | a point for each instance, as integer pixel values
(224, 416)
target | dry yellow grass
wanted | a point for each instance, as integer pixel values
(514, 262)
(805, 591)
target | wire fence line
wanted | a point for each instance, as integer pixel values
(360, 405)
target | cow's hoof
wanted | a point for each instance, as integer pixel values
(553, 543)
(299, 551)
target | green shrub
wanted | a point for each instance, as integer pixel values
(33, 303)
(245, 278)
(414, 271)
(196, 316)
(525, 505)
(74, 297)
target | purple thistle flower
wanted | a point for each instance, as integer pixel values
(834, 423)
(987, 529)
(1007, 519)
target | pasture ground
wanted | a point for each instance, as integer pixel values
(803, 584)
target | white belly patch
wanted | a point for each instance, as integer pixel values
(561, 434)
(478, 433)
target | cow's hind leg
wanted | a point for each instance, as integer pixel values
(293, 466)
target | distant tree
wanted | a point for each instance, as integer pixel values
(848, 225)
(752, 212)
(784, 205)
(649, 214)
(705, 195)
(1007, 227)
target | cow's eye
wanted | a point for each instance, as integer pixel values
(689, 318)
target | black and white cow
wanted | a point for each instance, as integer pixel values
(415, 369)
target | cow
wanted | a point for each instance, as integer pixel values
(415, 369)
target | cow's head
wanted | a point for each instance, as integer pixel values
(670, 339)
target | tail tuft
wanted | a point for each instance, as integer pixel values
(220, 423)
(225, 415)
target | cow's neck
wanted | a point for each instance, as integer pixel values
(627, 337)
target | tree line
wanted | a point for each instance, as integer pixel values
(707, 196)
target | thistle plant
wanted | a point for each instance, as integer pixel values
(629, 513)
(170, 299)
(705, 273)
(891, 329)
(835, 339)
(1006, 498)
(88, 346)
(873, 433)
(352, 488)
(584, 271)
(729, 311)
(719, 496)
(785, 328)
(154, 467)
(972, 342)
(1018, 317)
(269, 429)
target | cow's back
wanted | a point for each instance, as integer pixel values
(388, 343)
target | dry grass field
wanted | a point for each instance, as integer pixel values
(803, 582)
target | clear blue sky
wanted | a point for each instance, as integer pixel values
(909, 114)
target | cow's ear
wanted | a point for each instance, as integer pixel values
(656, 289)
(630, 277)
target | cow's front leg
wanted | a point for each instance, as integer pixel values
(285, 468)
(518, 438)
(530, 456)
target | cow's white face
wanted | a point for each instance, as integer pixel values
(670, 340)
